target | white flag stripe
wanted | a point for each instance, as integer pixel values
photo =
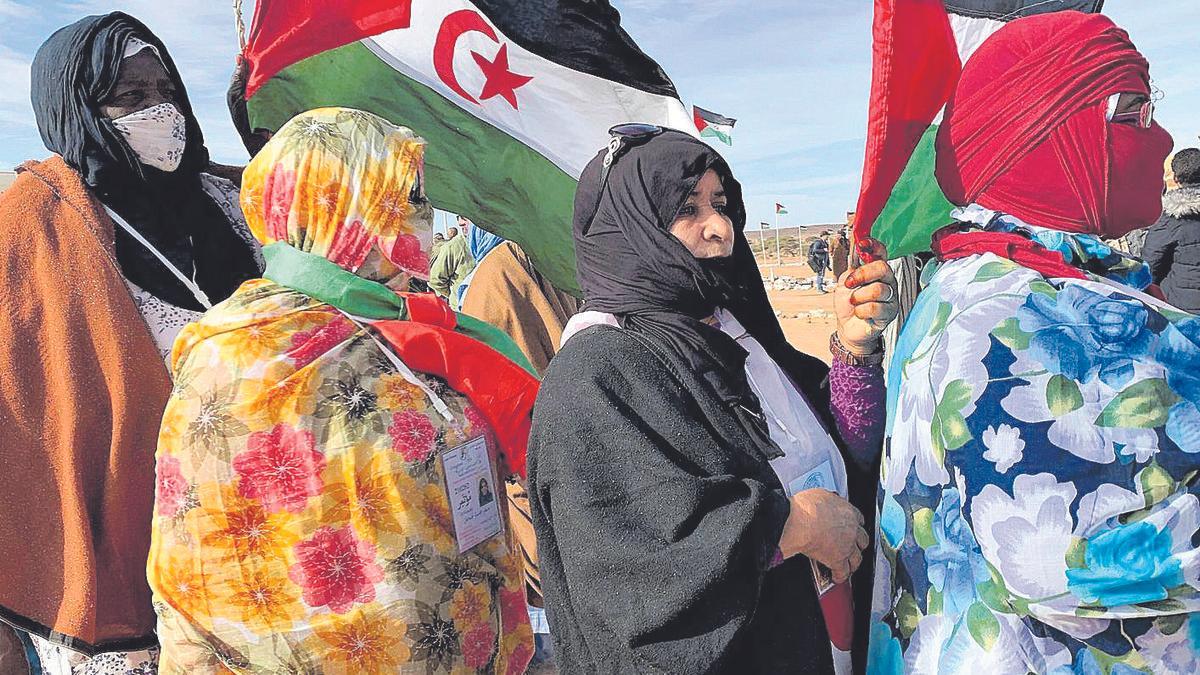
(563, 114)
(970, 32)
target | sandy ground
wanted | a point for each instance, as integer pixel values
(807, 316)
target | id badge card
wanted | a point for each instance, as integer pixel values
(473, 493)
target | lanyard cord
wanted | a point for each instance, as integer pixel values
(409, 376)
(189, 283)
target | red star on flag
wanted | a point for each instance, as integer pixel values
(501, 81)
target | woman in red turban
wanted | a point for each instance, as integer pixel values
(1037, 512)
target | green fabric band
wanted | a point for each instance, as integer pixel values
(323, 280)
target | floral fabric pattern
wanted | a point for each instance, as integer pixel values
(1038, 509)
(339, 183)
(301, 523)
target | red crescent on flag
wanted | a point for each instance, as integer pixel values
(454, 26)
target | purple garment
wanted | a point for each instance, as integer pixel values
(858, 397)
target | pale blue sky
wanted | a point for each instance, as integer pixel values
(796, 74)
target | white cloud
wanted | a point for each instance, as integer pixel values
(13, 9)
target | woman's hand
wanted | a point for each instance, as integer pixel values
(826, 528)
(866, 302)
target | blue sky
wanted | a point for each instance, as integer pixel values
(796, 74)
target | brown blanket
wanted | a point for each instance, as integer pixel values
(510, 294)
(82, 390)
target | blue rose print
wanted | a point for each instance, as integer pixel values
(1179, 352)
(892, 521)
(955, 563)
(1080, 334)
(884, 656)
(1126, 565)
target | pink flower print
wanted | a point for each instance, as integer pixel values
(350, 245)
(479, 425)
(513, 610)
(336, 570)
(413, 435)
(281, 468)
(408, 254)
(309, 345)
(478, 644)
(170, 485)
(520, 657)
(279, 191)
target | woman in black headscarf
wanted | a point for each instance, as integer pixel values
(107, 250)
(685, 459)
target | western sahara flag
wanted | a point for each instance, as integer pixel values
(919, 49)
(513, 96)
(712, 125)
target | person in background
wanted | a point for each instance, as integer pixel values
(1038, 509)
(1172, 246)
(302, 519)
(686, 463)
(453, 265)
(109, 249)
(839, 254)
(506, 291)
(480, 243)
(818, 259)
(439, 240)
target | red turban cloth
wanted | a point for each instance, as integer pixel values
(1026, 131)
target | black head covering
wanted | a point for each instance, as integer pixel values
(72, 73)
(630, 264)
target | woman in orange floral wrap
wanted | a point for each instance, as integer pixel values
(302, 522)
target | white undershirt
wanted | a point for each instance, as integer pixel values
(811, 458)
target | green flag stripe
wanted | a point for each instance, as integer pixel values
(916, 208)
(471, 167)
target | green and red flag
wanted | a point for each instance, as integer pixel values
(712, 125)
(780, 209)
(514, 97)
(919, 49)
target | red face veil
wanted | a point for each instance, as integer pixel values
(1026, 131)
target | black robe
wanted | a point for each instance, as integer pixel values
(665, 525)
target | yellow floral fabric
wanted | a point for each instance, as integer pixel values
(336, 182)
(301, 525)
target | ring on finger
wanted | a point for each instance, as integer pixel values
(891, 294)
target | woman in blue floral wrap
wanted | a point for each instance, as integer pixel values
(1038, 503)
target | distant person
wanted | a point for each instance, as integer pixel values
(453, 265)
(1172, 247)
(818, 260)
(439, 240)
(480, 243)
(839, 254)
(109, 248)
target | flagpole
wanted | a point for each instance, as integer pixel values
(778, 258)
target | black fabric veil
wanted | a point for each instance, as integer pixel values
(72, 73)
(630, 265)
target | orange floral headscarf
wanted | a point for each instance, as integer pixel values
(336, 182)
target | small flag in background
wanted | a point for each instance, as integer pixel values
(765, 226)
(712, 125)
(780, 209)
